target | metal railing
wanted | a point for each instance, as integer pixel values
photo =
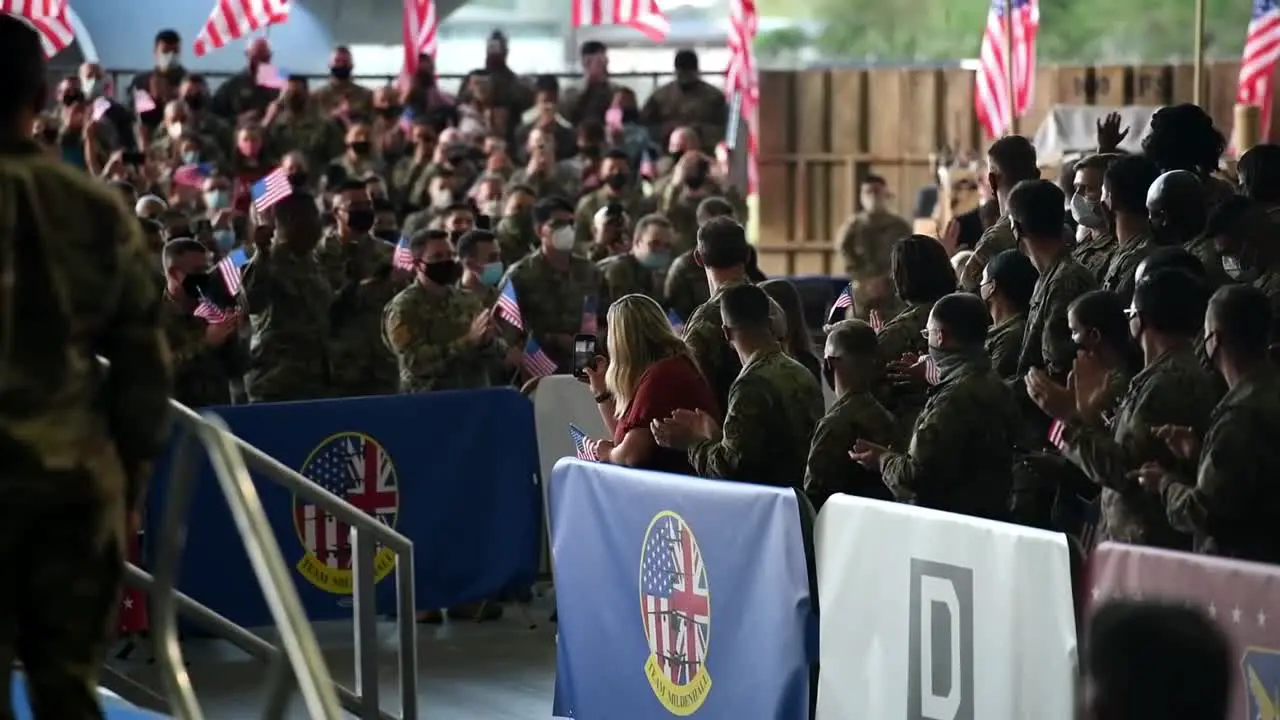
(299, 659)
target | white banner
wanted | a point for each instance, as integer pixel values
(931, 615)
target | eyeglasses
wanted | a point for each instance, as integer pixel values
(1131, 312)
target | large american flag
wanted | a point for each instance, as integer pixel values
(419, 27)
(643, 15)
(677, 606)
(234, 19)
(1258, 63)
(49, 17)
(991, 89)
(742, 79)
(358, 470)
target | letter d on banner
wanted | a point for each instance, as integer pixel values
(940, 660)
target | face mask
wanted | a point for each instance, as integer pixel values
(360, 147)
(440, 198)
(190, 157)
(217, 199)
(360, 219)
(90, 86)
(340, 72)
(616, 181)
(562, 238)
(444, 272)
(829, 374)
(195, 101)
(658, 260)
(175, 131)
(491, 275)
(194, 283)
(947, 360)
(226, 239)
(1236, 271)
(1086, 213)
(165, 60)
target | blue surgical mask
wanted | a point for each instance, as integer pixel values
(190, 157)
(226, 240)
(659, 260)
(491, 275)
(217, 200)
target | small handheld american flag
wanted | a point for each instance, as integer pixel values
(536, 363)
(100, 108)
(843, 300)
(402, 259)
(192, 175)
(931, 375)
(508, 307)
(590, 323)
(143, 102)
(270, 76)
(581, 447)
(271, 189)
(229, 269)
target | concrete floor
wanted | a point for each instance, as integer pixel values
(500, 670)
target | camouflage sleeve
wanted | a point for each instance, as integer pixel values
(828, 458)
(934, 445)
(1056, 346)
(1226, 481)
(732, 456)
(256, 282)
(1107, 462)
(705, 343)
(185, 335)
(405, 337)
(971, 274)
(141, 376)
(582, 221)
(677, 287)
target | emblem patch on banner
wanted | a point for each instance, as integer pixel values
(675, 604)
(356, 468)
(1261, 668)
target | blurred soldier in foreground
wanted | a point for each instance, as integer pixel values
(77, 440)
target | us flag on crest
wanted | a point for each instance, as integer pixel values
(677, 604)
(357, 469)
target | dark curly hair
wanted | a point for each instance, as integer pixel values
(921, 270)
(1182, 137)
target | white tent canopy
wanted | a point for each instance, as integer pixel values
(1070, 130)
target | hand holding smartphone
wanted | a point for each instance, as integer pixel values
(584, 354)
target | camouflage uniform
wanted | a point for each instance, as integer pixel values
(426, 331)
(214, 129)
(359, 167)
(954, 463)
(357, 269)
(583, 220)
(516, 239)
(1230, 507)
(486, 294)
(1094, 252)
(164, 149)
(625, 275)
(681, 208)
(774, 406)
(1175, 390)
(1047, 343)
(317, 136)
(1208, 255)
(685, 286)
(551, 300)
(289, 299)
(866, 240)
(1269, 283)
(200, 377)
(240, 94)
(702, 107)
(995, 240)
(588, 102)
(77, 440)
(410, 180)
(329, 97)
(899, 336)
(716, 358)
(830, 470)
(556, 182)
(1124, 262)
(1004, 345)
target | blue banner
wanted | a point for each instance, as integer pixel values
(455, 472)
(677, 596)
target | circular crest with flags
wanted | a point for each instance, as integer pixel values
(675, 605)
(356, 468)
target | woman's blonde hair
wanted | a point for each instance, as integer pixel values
(639, 335)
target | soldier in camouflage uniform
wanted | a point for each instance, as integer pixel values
(1176, 203)
(554, 286)
(482, 267)
(296, 123)
(358, 268)
(1172, 389)
(194, 91)
(412, 173)
(1094, 240)
(685, 286)
(1229, 506)
(773, 406)
(1124, 194)
(443, 338)
(618, 189)
(1242, 233)
(640, 270)
(289, 298)
(687, 101)
(865, 242)
(681, 142)
(341, 92)
(200, 376)
(515, 232)
(540, 172)
(610, 233)
(850, 369)
(241, 95)
(78, 440)
(1010, 160)
(953, 463)
(359, 160)
(1008, 283)
(690, 183)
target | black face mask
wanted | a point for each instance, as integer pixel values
(194, 283)
(829, 374)
(617, 181)
(360, 219)
(360, 148)
(298, 179)
(340, 72)
(444, 272)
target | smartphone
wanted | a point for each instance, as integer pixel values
(133, 157)
(584, 354)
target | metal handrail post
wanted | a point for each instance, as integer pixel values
(365, 608)
(314, 681)
(407, 627)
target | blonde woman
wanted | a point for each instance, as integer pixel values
(649, 375)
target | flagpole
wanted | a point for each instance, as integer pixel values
(1008, 67)
(1198, 62)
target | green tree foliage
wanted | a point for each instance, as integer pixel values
(1071, 31)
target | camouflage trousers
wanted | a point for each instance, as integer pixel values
(62, 550)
